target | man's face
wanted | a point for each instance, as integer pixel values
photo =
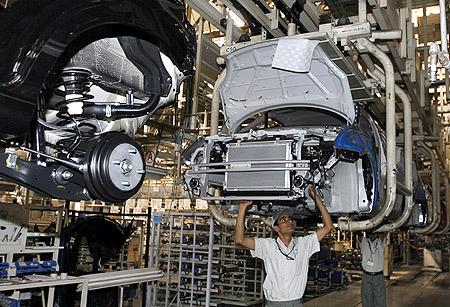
(286, 225)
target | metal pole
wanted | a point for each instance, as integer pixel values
(180, 271)
(169, 252)
(215, 103)
(194, 242)
(362, 11)
(198, 65)
(155, 250)
(443, 25)
(210, 259)
(147, 255)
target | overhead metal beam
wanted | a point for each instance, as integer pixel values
(310, 17)
(211, 14)
(261, 17)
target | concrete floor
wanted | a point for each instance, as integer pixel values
(407, 287)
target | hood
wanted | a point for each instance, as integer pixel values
(282, 73)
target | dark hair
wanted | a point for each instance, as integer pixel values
(277, 214)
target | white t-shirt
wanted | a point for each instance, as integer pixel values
(372, 255)
(285, 279)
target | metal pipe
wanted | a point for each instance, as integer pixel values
(362, 11)
(210, 259)
(169, 267)
(214, 209)
(363, 45)
(194, 243)
(198, 65)
(407, 120)
(110, 112)
(435, 189)
(292, 29)
(443, 26)
(447, 202)
(215, 103)
(434, 53)
(427, 138)
(147, 253)
(441, 53)
(391, 34)
(180, 260)
(443, 56)
(401, 188)
(229, 31)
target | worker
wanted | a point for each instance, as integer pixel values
(373, 291)
(285, 258)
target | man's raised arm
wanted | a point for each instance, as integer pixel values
(326, 218)
(239, 237)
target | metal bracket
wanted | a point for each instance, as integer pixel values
(274, 18)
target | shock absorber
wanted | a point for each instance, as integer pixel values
(76, 86)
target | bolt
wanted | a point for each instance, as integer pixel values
(140, 171)
(126, 166)
(126, 183)
(116, 162)
(66, 175)
(132, 151)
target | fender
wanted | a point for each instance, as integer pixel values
(352, 143)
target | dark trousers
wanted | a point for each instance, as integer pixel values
(373, 291)
(294, 303)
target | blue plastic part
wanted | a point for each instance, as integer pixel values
(157, 218)
(33, 264)
(27, 265)
(49, 263)
(33, 267)
(353, 139)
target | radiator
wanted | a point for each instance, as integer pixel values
(241, 155)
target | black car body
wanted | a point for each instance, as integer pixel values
(54, 53)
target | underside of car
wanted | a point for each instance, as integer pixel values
(288, 129)
(73, 94)
(275, 167)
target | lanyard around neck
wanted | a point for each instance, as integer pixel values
(288, 257)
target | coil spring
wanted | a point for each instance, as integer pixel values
(76, 81)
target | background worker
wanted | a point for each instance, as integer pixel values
(373, 291)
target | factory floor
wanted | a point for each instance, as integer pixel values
(408, 286)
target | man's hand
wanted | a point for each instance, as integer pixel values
(327, 223)
(312, 192)
(245, 204)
